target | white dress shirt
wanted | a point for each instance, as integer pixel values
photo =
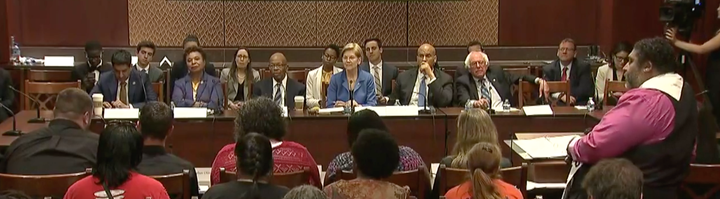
(416, 91)
(96, 72)
(372, 72)
(567, 73)
(282, 92)
(146, 69)
(494, 95)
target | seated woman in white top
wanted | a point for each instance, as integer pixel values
(613, 70)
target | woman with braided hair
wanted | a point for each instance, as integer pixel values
(254, 166)
(483, 160)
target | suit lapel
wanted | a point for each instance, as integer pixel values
(409, 89)
(188, 89)
(473, 88)
(113, 88)
(289, 93)
(386, 80)
(201, 88)
(132, 87)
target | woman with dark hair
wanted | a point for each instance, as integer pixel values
(114, 176)
(198, 89)
(368, 119)
(483, 161)
(254, 165)
(238, 90)
(613, 70)
(376, 157)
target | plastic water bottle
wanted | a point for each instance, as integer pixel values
(590, 105)
(15, 50)
(172, 105)
(397, 102)
(506, 105)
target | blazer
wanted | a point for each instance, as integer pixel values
(180, 70)
(501, 80)
(389, 73)
(7, 95)
(604, 73)
(155, 74)
(81, 71)
(581, 82)
(209, 91)
(232, 85)
(292, 88)
(140, 89)
(440, 91)
(313, 86)
(363, 93)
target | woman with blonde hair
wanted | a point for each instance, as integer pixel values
(483, 161)
(361, 82)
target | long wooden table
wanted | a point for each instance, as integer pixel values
(199, 140)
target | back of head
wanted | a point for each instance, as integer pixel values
(361, 120)
(305, 192)
(93, 46)
(474, 126)
(260, 115)
(72, 103)
(121, 57)
(483, 161)
(658, 51)
(119, 151)
(376, 154)
(614, 179)
(156, 120)
(254, 158)
(191, 38)
(12, 194)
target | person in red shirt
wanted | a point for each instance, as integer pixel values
(263, 116)
(483, 160)
(119, 152)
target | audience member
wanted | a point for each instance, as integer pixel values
(89, 72)
(254, 160)
(7, 95)
(614, 179)
(318, 79)
(145, 53)
(238, 90)
(119, 152)
(612, 71)
(281, 89)
(198, 88)
(180, 68)
(654, 125)
(261, 115)
(425, 82)
(359, 121)
(156, 124)
(305, 192)
(382, 72)
(65, 142)
(376, 156)
(483, 161)
(576, 72)
(352, 78)
(124, 87)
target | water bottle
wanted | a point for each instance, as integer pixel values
(538, 197)
(15, 50)
(506, 105)
(590, 105)
(397, 102)
(172, 105)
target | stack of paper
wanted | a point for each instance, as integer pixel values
(546, 147)
(537, 110)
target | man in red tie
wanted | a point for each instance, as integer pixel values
(576, 72)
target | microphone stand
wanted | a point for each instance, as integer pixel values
(425, 109)
(14, 131)
(352, 92)
(37, 119)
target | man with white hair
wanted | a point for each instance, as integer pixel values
(489, 86)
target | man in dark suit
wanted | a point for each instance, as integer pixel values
(576, 72)
(426, 82)
(474, 46)
(89, 72)
(145, 53)
(180, 68)
(124, 87)
(382, 72)
(279, 87)
(7, 95)
(489, 86)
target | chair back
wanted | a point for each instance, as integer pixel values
(702, 174)
(225, 95)
(40, 186)
(451, 177)
(45, 93)
(517, 176)
(415, 179)
(159, 88)
(611, 87)
(227, 176)
(176, 184)
(298, 75)
(526, 91)
(291, 179)
(49, 75)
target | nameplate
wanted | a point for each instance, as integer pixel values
(383, 111)
(190, 112)
(59, 61)
(121, 113)
(537, 110)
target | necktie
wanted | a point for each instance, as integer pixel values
(143, 71)
(378, 84)
(423, 92)
(564, 74)
(278, 94)
(123, 93)
(484, 91)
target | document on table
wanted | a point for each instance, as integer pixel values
(537, 110)
(546, 147)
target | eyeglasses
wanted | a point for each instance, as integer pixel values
(276, 66)
(566, 49)
(622, 59)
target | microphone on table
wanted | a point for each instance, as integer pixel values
(425, 109)
(14, 131)
(352, 92)
(37, 119)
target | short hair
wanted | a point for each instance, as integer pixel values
(475, 43)
(361, 120)
(191, 38)
(305, 192)
(467, 59)
(13, 194)
(121, 57)
(119, 152)
(375, 154)
(156, 120)
(260, 115)
(334, 47)
(92, 46)
(254, 158)
(614, 179)
(375, 40)
(355, 48)
(72, 103)
(196, 49)
(657, 51)
(146, 44)
(570, 40)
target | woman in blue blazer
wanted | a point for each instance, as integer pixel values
(362, 82)
(197, 89)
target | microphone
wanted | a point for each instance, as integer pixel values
(425, 109)
(352, 92)
(14, 131)
(142, 81)
(37, 119)
(596, 95)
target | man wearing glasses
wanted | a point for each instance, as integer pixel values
(281, 89)
(576, 72)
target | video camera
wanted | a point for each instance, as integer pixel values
(681, 13)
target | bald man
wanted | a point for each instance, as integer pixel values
(487, 86)
(279, 87)
(424, 83)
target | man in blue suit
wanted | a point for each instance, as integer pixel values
(124, 87)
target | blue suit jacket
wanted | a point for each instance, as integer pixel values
(209, 91)
(140, 88)
(364, 94)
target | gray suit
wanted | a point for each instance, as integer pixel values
(155, 73)
(232, 85)
(389, 73)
